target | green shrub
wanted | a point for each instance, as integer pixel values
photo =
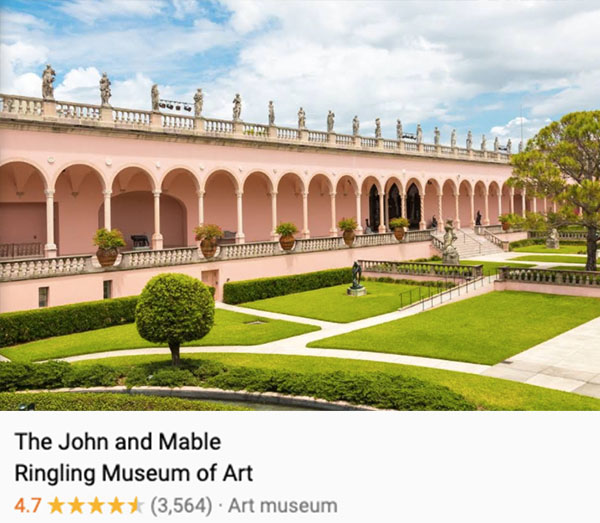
(174, 308)
(23, 326)
(396, 223)
(208, 232)
(261, 288)
(172, 377)
(435, 257)
(105, 239)
(348, 224)
(286, 229)
(93, 401)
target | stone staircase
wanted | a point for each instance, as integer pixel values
(470, 245)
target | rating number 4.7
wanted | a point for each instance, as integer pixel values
(20, 506)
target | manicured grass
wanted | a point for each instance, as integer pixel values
(231, 328)
(552, 259)
(486, 329)
(333, 304)
(92, 401)
(491, 267)
(563, 249)
(487, 393)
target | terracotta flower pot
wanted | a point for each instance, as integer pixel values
(505, 226)
(208, 247)
(287, 242)
(107, 257)
(399, 233)
(349, 236)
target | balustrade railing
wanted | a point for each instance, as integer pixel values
(170, 121)
(317, 136)
(418, 236)
(344, 139)
(368, 142)
(410, 146)
(248, 250)
(23, 105)
(41, 268)
(21, 250)
(550, 276)
(176, 256)
(252, 129)
(447, 150)
(218, 126)
(288, 133)
(319, 244)
(391, 144)
(562, 235)
(131, 117)
(428, 148)
(77, 111)
(423, 269)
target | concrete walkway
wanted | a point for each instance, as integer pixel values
(2, 358)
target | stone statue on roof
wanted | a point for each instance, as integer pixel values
(483, 143)
(271, 113)
(496, 144)
(377, 128)
(105, 89)
(155, 97)
(330, 121)
(419, 133)
(436, 136)
(469, 140)
(301, 119)
(509, 146)
(355, 125)
(453, 139)
(48, 77)
(398, 129)
(237, 107)
(198, 103)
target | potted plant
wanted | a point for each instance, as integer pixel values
(207, 235)
(399, 225)
(108, 243)
(286, 231)
(348, 226)
(510, 220)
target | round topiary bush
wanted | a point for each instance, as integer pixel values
(174, 308)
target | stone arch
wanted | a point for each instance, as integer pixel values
(290, 188)
(182, 184)
(220, 201)
(23, 230)
(219, 171)
(68, 168)
(465, 213)
(493, 204)
(180, 169)
(128, 171)
(431, 208)
(394, 190)
(258, 187)
(371, 189)
(346, 190)
(507, 205)
(320, 188)
(449, 190)
(479, 197)
(78, 190)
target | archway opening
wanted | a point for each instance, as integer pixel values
(464, 204)
(373, 209)
(257, 207)
(413, 206)
(220, 203)
(345, 198)
(289, 200)
(394, 202)
(181, 185)
(319, 206)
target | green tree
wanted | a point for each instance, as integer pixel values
(174, 308)
(562, 162)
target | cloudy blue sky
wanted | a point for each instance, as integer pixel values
(463, 65)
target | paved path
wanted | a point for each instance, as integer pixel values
(2, 358)
(569, 362)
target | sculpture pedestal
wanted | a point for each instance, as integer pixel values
(360, 291)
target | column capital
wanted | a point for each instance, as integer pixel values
(358, 194)
(304, 194)
(200, 193)
(239, 193)
(157, 193)
(272, 193)
(332, 194)
(49, 192)
(107, 193)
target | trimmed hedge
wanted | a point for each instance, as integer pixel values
(261, 288)
(23, 326)
(359, 388)
(418, 283)
(103, 401)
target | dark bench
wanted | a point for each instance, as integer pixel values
(140, 242)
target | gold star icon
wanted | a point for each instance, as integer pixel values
(56, 506)
(96, 505)
(134, 505)
(76, 505)
(116, 506)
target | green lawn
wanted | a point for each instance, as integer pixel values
(487, 393)
(552, 259)
(570, 267)
(486, 329)
(564, 249)
(333, 304)
(231, 328)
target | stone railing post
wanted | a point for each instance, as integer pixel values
(106, 115)
(156, 120)
(356, 141)
(49, 108)
(333, 231)
(199, 124)
(274, 235)
(238, 128)
(305, 231)
(303, 135)
(359, 229)
(331, 138)
(272, 131)
(157, 238)
(379, 142)
(240, 237)
(50, 249)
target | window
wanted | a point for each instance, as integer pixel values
(107, 289)
(43, 296)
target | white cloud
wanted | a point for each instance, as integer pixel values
(184, 8)
(15, 60)
(91, 11)
(517, 127)
(79, 85)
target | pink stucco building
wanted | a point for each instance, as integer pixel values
(67, 169)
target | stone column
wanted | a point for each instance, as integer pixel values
(333, 231)
(523, 204)
(157, 238)
(499, 204)
(359, 229)
(545, 205)
(472, 205)
(422, 223)
(457, 209)
(305, 231)
(274, 235)
(239, 235)
(511, 207)
(381, 227)
(534, 204)
(553, 206)
(486, 218)
(200, 207)
(440, 225)
(50, 248)
(404, 211)
(107, 210)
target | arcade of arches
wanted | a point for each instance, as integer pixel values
(60, 214)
